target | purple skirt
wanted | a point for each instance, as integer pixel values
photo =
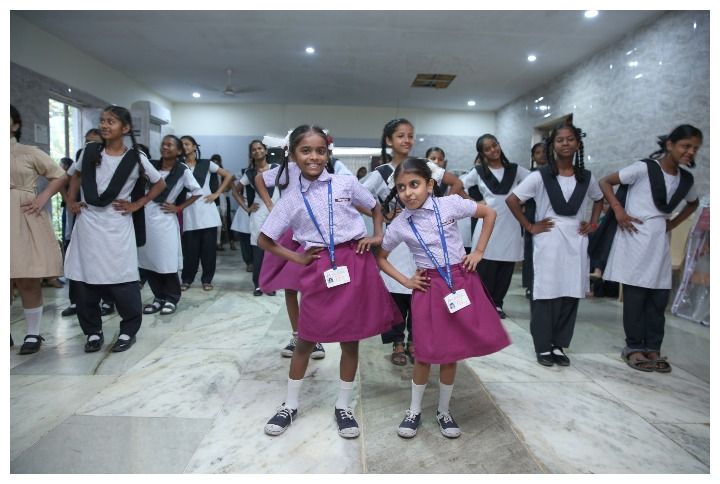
(278, 273)
(351, 312)
(443, 337)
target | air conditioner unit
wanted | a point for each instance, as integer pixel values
(148, 118)
(155, 113)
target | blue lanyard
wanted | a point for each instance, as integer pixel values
(331, 245)
(446, 274)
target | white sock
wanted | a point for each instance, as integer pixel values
(343, 399)
(293, 392)
(124, 337)
(417, 396)
(72, 306)
(557, 351)
(93, 337)
(545, 353)
(33, 317)
(444, 398)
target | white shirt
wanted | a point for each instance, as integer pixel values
(202, 214)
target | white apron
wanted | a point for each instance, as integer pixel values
(162, 252)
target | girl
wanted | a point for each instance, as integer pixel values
(560, 189)
(640, 253)
(223, 205)
(201, 220)
(453, 317)
(537, 159)
(320, 211)
(161, 256)
(34, 251)
(241, 220)
(495, 177)
(102, 256)
(399, 135)
(257, 213)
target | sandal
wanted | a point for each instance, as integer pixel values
(662, 365)
(168, 308)
(410, 352)
(207, 287)
(184, 286)
(636, 363)
(152, 308)
(398, 357)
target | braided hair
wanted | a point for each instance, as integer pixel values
(410, 165)
(123, 115)
(15, 116)
(296, 136)
(533, 165)
(579, 155)
(683, 131)
(481, 156)
(388, 131)
(178, 145)
(197, 146)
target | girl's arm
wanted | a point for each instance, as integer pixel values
(454, 183)
(126, 206)
(227, 180)
(172, 208)
(73, 205)
(688, 209)
(624, 221)
(266, 243)
(36, 205)
(237, 193)
(544, 225)
(418, 281)
(471, 260)
(588, 228)
(262, 191)
(366, 243)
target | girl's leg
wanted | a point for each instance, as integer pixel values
(541, 325)
(448, 426)
(258, 254)
(129, 306)
(293, 308)
(347, 425)
(31, 296)
(208, 253)
(191, 255)
(563, 328)
(634, 300)
(408, 427)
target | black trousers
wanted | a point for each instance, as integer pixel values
(644, 316)
(245, 247)
(258, 255)
(127, 302)
(165, 287)
(72, 295)
(199, 248)
(496, 275)
(397, 332)
(552, 322)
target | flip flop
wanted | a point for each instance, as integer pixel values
(635, 364)
(152, 308)
(662, 365)
(168, 308)
(398, 357)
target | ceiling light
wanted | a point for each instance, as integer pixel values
(547, 115)
(633, 64)
(69, 90)
(309, 50)
(421, 139)
(638, 76)
(532, 58)
(196, 95)
(694, 25)
(471, 103)
(591, 13)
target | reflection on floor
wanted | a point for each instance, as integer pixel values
(193, 394)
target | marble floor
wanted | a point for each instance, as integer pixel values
(194, 392)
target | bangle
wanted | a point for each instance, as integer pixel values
(593, 226)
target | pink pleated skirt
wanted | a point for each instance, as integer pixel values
(443, 337)
(359, 309)
(278, 273)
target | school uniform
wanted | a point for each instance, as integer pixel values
(641, 261)
(440, 336)
(241, 223)
(380, 181)
(200, 224)
(505, 246)
(334, 314)
(161, 257)
(102, 256)
(561, 264)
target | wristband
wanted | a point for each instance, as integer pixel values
(594, 226)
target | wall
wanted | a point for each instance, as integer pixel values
(621, 114)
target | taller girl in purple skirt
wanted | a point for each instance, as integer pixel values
(454, 317)
(339, 271)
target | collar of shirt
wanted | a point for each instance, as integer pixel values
(409, 212)
(305, 183)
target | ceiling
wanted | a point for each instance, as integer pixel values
(362, 58)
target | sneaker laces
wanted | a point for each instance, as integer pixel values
(445, 417)
(410, 416)
(346, 413)
(293, 341)
(285, 412)
(318, 347)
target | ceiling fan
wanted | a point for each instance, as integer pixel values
(230, 90)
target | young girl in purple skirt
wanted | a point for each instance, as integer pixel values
(338, 271)
(453, 314)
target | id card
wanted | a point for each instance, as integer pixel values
(455, 302)
(337, 277)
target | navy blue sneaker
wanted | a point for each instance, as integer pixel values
(318, 353)
(288, 351)
(347, 425)
(281, 420)
(448, 427)
(408, 427)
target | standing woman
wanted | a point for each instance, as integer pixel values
(34, 250)
(201, 220)
(495, 177)
(223, 205)
(640, 253)
(161, 257)
(537, 159)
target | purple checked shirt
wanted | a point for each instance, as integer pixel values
(290, 212)
(292, 173)
(452, 208)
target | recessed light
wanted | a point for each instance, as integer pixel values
(69, 89)
(638, 76)
(547, 115)
(421, 139)
(309, 50)
(591, 13)
(196, 95)
(633, 63)
(471, 103)
(532, 58)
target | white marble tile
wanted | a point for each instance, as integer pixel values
(183, 383)
(694, 438)
(238, 444)
(578, 427)
(38, 403)
(676, 397)
(229, 332)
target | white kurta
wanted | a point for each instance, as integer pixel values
(257, 218)
(560, 259)
(102, 248)
(506, 241)
(643, 258)
(162, 252)
(202, 214)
